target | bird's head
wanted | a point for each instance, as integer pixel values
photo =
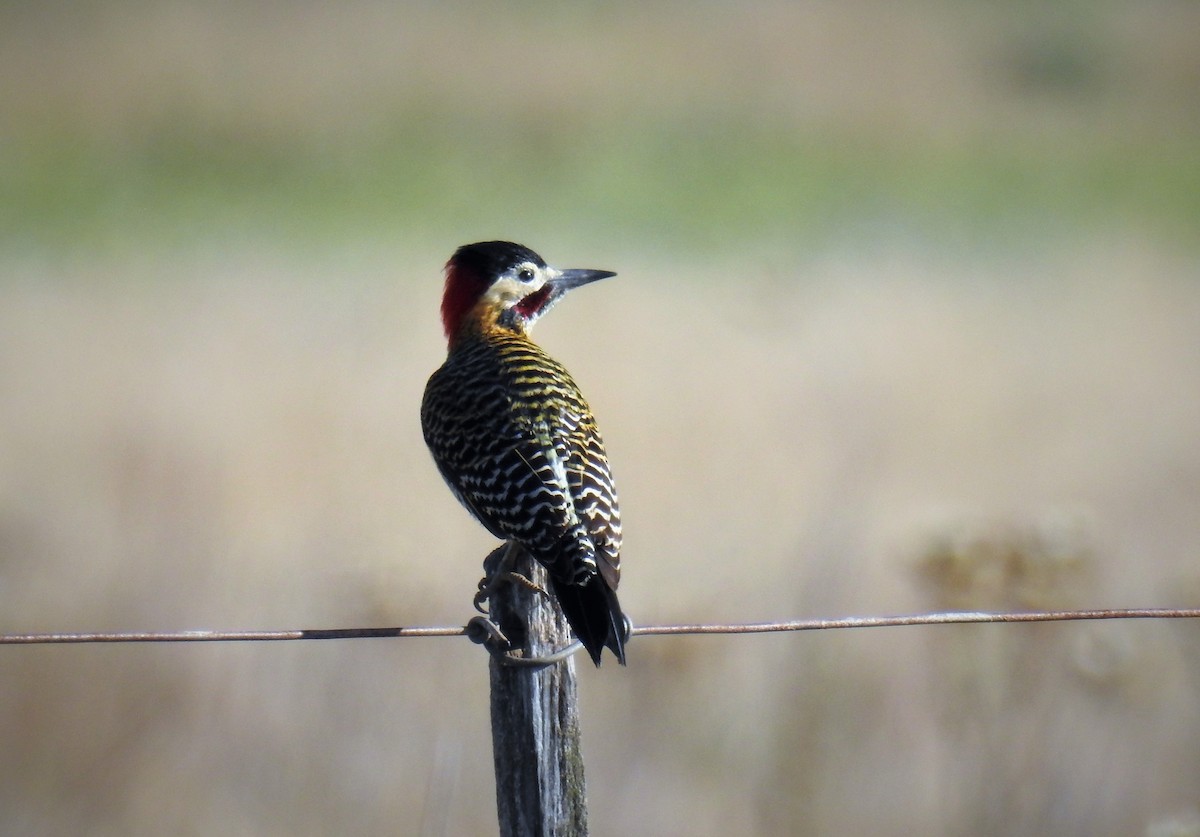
(498, 282)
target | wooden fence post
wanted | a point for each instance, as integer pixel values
(535, 716)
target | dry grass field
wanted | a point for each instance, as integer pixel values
(210, 376)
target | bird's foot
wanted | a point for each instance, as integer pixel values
(497, 572)
(489, 584)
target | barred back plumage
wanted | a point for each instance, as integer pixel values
(517, 443)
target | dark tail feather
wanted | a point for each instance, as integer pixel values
(594, 614)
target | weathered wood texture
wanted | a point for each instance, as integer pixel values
(535, 717)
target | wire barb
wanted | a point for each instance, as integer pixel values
(511, 659)
(483, 631)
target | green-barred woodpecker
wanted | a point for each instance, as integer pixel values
(515, 440)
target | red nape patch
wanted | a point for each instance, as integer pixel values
(530, 305)
(463, 289)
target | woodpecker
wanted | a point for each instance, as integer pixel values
(514, 438)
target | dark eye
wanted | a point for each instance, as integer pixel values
(525, 274)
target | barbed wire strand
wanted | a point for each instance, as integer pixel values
(949, 618)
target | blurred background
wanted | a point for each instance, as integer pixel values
(908, 318)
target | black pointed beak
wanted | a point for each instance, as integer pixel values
(575, 278)
(540, 301)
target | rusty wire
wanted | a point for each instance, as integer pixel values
(949, 618)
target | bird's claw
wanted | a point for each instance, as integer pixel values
(523, 581)
(490, 583)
